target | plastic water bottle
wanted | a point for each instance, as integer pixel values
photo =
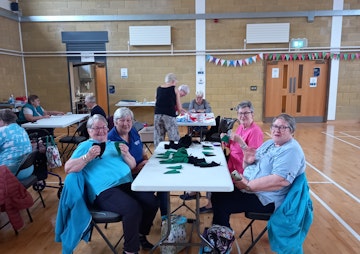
(11, 99)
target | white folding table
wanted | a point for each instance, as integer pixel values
(135, 104)
(58, 121)
(190, 178)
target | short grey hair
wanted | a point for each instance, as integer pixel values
(90, 98)
(7, 116)
(123, 112)
(95, 118)
(199, 93)
(289, 119)
(245, 104)
(170, 77)
(184, 88)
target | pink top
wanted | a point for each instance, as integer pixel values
(253, 137)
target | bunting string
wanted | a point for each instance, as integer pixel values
(283, 57)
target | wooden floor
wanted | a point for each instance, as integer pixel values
(333, 171)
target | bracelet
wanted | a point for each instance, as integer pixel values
(85, 158)
(244, 146)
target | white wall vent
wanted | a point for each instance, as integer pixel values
(149, 35)
(268, 33)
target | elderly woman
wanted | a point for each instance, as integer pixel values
(184, 90)
(199, 104)
(14, 143)
(167, 102)
(269, 172)
(108, 180)
(124, 131)
(32, 111)
(248, 133)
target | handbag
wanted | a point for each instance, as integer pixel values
(52, 153)
(221, 238)
(177, 234)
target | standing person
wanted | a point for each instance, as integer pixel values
(184, 90)
(167, 98)
(32, 111)
(90, 102)
(14, 144)
(269, 172)
(108, 180)
(199, 104)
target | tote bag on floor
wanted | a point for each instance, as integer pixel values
(52, 153)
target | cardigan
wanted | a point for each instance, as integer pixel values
(73, 217)
(290, 223)
(13, 197)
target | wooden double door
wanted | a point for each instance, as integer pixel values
(298, 88)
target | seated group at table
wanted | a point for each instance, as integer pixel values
(110, 161)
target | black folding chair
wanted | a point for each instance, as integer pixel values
(104, 217)
(73, 140)
(31, 180)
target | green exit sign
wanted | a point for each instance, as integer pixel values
(298, 43)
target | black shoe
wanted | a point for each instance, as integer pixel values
(187, 196)
(204, 209)
(145, 244)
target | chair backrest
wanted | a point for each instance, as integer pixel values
(138, 126)
(81, 130)
(27, 161)
(185, 105)
(37, 133)
(226, 124)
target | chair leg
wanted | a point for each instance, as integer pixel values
(256, 240)
(28, 212)
(41, 198)
(247, 227)
(253, 242)
(106, 239)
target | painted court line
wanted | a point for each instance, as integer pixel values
(330, 135)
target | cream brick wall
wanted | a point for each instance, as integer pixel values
(226, 86)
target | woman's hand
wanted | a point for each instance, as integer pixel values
(93, 152)
(242, 184)
(249, 155)
(128, 158)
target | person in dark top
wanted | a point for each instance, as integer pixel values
(167, 99)
(90, 102)
(32, 111)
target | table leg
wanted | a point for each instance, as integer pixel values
(203, 242)
(168, 226)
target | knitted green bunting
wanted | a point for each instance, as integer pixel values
(175, 160)
(225, 139)
(173, 171)
(208, 148)
(175, 167)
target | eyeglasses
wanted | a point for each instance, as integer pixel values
(280, 128)
(104, 128)
(244, 113)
